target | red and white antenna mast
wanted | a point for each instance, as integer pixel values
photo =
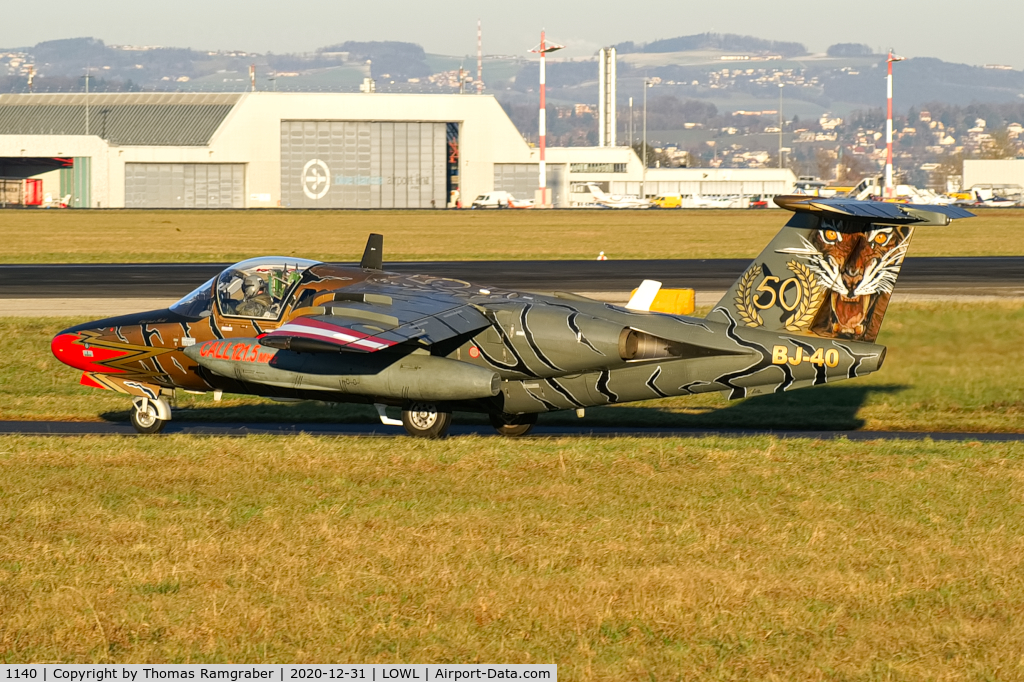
(888, 128)
(543, 49)
(479, 59)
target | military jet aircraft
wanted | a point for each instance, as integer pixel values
(805, 312)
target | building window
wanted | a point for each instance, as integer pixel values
(597, 168)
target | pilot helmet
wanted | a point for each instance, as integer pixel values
(252, 285)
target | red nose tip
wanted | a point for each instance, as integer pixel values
(63, 349)
(68, 349)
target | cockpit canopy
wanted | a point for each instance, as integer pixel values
(256, 288)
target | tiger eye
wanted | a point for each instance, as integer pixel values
(831, 235)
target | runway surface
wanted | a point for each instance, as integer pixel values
(52, 428)
(989, 275)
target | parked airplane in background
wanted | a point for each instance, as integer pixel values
(805, 312)
(707, 202)
(500, 199)
(992, 201)
(615, 200)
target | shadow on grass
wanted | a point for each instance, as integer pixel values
(826, 408)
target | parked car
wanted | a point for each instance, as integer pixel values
(668, 201)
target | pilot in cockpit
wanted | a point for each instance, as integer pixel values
(256, 300)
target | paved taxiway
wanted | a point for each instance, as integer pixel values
(54, 428)
(987, 275)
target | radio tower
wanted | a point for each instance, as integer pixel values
(479, 59)
(543, 49)
(888, 129)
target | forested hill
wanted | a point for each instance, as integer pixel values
(728, 42)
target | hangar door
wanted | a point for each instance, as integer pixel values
(184, 185)
(363, 164)
(521, 179)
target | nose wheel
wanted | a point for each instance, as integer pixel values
(150, 416)
(513, 425)
(426, 420)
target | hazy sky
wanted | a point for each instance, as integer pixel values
(977, 32)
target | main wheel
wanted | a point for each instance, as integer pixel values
(145, 418)
(513, 425)
(426, 420)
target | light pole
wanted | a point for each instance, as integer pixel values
(543, 49)
(780, 125)
(631, 139)
(643, 182)
(888, 128)
(86, 77)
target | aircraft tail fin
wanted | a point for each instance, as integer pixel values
(832, 269)
(598, 193)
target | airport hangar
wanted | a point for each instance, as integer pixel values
(314, 150)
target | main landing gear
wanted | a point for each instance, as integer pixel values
(513, 425)
(149, 415)
(426, 420)
(429, 420)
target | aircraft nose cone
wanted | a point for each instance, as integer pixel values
(64, 349)
(69, 349)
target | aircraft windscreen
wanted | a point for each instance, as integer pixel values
(259, 288)
(197, 303)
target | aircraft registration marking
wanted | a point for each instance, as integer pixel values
(820, 356)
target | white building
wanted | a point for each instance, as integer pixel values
(993, 172)
(312, 150)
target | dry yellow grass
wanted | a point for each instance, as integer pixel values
(621, 559)
(177, 236)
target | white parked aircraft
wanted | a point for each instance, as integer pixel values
(707, 202)
(614, 200)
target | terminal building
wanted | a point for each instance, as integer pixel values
(314, 150)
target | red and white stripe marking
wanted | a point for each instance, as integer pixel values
(543, 125)
(888, 128)
(343, 336)
(543, 49)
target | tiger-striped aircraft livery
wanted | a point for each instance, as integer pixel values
(806, 312)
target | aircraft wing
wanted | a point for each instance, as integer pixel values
(378, 318)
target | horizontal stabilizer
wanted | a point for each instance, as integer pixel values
(858, 212)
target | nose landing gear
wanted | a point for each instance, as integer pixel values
(149, 415)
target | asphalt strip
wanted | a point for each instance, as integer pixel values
(56, 428)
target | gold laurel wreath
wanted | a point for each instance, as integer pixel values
(745, 299)
(810, 301)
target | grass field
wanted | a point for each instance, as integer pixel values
(950, 367)
(626, 559)
(195, 236)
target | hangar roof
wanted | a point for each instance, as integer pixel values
(128, 119)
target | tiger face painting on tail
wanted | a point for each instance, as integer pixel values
(830, 277)
(859, 270)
